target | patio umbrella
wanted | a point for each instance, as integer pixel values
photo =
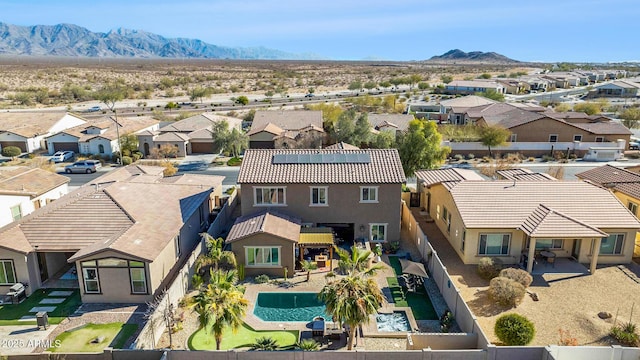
(413, 268)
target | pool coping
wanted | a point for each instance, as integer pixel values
(371, 329)
(251, 294)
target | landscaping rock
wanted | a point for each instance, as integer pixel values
(97, 340)
(604, 315)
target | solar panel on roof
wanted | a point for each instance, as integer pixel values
(331, 158)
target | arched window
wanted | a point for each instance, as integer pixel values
(101, 149)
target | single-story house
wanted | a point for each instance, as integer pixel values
(273, 129)
(470, 87)
(24, 190)
(395, 123)
(512, 220)
(455, 109)
(618, 88)
(28, 130)
(192, 135)
(122, 247)
(99, 137)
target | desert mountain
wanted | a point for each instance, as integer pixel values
(473, 56)
(73, 40)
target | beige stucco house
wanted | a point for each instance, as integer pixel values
(122, 236)
(286, 129)
(28, 130)
(509, 219)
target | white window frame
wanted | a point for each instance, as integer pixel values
(599, 138)
(144, 280)
(262, 189)
(96, 280)
(619, 237)
(553, 141)
(633, 207)
(262, 264)
(513, 138)
(17, 216)
(8, 264)
(493, 234)
(368, 200)
(377, 225)
(577, 137)
(326, 195)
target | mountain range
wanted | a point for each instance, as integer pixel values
(76, 41)
(458, 55)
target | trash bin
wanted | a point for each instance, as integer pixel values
(42, 319)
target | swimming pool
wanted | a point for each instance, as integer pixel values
(396, 321)
(289, 306)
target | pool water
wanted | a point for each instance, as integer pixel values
(396, 321)
(289, 306)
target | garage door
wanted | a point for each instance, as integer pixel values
(261, 145)
(201, 148)
(65, 146)
(20, 144)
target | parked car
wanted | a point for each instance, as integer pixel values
(83, 166)
(94, 109)
(62, 156)
(634, 145)
(309, 95)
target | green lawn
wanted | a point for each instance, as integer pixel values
(9, 314)
(419, 301)
(115, 335)
(245, 337)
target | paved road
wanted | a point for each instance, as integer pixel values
(81, 179)
(229, 172)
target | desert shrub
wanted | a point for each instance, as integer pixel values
(566, 339)
(308, 345)
(489, 268)
(531, 159)
(559, 155)
(471, 156)
(136, 156)
(126, 160)
(458, 157)
(625, 334)
(514, 330)
(547, 158)
(11, 151)
(505, 291)
(517, 275)
(261, 279)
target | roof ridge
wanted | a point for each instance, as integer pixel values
(104, 190)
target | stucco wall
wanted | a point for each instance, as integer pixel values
(287, 254)
(60, 137)
(20, 267)
(343, 206)
(539, 131)
(26, 203)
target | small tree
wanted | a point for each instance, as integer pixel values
(309, 266)
(514, 330)
(171, 105)
(242, 100)
(493, 136)
(419, 147)
(446, 78)
(631, 117)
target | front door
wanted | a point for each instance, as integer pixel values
(575, 252)
(146, 149)
(42, 264)
(414, 200)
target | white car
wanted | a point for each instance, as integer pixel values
(62, 156)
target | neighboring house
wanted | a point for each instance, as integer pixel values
(522, 174)
(395, 123)
(28, 131)
(539, 84)
(355, 192)
(449, 177)
(192, 135)
(24, 190)
(342, 146)
(272, 129)
(514, 86)
(125, 234)
(624, 184)
(618, 88)
(99, 137)
(508, 219)
(470, 87)
(455, 109)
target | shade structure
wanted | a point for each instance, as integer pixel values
(413, 268)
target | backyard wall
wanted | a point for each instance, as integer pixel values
(437, 341)
(529, 148)
(155, 325)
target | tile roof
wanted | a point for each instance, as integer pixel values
(200, 121)
(171, 137)
(604, 128)
(544, 222)
(29, 124)
(513, 118)
(501, 204)
(265, 222)
(29, 182)
(287, 119)
(523, 175)
(342, 146)
(258, 168)
(473, 83)
(467, 101)
(451, 175)
(618, 179)
(268, 127)
(399, 121)
(128, 124)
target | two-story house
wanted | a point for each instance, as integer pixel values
(357, 193)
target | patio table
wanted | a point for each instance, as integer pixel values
(549, 256)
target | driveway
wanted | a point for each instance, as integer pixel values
(23, 339)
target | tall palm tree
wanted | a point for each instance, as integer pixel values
(215, 257)
(351, 300)
(220, 304)
(356, 261)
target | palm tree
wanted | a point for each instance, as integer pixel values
(220, 304)
(265, 343)
(215, 257)
(351, 300)
(356, 262)
(308, 266)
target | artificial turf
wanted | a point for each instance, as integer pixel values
(418, 301)
(244, 337)
(114, 335)
(10, 314)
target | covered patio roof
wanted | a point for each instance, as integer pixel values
(322, 237)
(545, 222)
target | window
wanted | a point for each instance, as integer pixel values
(91, 282)
(547, 243)
(633, 207)
(599, 139)
(464, 238)
(577, 137)
(612, 244)
(446, 217)
(494, 244)
(378, 232)
(176, 242)
(112, 262)
(514, 138)
(270, 196)
(7, 273)
(262, 256)
(368, 194)
(318, 196)
(553, 138)
(138, 280)
(101, 149)
(16, 212)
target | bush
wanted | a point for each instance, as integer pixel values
(517, 275)
(458, 157)
(625, 334)
(261, 279)
(547, 158)
(505, 291)
(489, 268)
(514, 330)
(11, 151)
(471, 156)
(136, 156)
(126, 160)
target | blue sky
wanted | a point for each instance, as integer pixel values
(541, 30)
